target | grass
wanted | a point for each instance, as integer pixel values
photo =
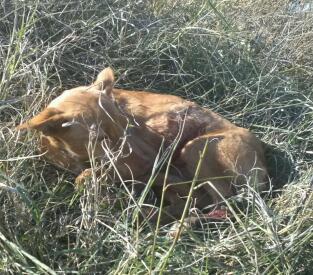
(250, 61)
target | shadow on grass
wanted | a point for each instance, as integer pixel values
(280, 165)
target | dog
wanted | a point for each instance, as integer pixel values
(205, 152)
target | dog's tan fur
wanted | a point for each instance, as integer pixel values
(147, 121)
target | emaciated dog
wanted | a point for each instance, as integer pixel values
(144, 125)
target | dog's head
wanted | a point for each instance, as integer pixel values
(76, 119)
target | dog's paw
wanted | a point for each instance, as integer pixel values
(83, 178)
(178, 228)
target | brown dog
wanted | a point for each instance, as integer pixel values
(98, 120)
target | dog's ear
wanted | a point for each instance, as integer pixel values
(49, 121)
(105, 81)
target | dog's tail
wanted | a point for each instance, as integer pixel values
(105, 81)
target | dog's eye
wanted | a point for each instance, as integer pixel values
(69, 123)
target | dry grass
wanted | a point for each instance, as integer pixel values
(251, 61)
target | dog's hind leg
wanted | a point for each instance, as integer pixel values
(232, 157)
